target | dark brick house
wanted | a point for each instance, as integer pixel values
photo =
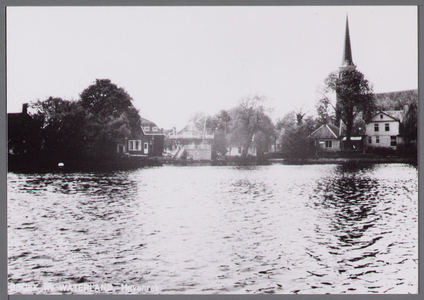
(150, 142)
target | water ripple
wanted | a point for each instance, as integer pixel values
(275, 229)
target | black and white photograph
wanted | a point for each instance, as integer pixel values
(213, 150)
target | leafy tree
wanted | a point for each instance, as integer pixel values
(410, 128)
(354, 95)
(219, 124)
(90, 127)
(61, 121)
(220, 121)
(110, 116)
(395, 100)
(247, 119)
(293, 136)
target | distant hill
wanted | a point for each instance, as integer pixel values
(395, 100)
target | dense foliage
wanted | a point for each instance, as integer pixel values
(293, 133)
(354, 96)
(89, 127)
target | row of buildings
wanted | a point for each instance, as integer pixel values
(384, 130)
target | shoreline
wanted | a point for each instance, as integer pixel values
(311, 161)
(132, 164)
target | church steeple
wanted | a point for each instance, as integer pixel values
(347, 51)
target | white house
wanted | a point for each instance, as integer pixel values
(236, 150)
(383, 129)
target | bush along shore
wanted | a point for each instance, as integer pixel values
(31, 164)
(373, 156)
(34, 165)
(357, 160)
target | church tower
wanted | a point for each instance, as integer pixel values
(347, 62)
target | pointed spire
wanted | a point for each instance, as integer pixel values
(347, 52)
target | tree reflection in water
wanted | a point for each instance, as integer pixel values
(358, 226)
(353, 199)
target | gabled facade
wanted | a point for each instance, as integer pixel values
(326, 138)
(150, 142)
(384, 129)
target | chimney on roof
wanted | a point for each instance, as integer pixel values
(25, 108)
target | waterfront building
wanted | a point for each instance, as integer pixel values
(326, 138)
(190, 143)
(384, 129)
(235, 150)
(150, 142)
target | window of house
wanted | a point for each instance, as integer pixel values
(377, 139)
(387, 126)
(369, 140)
(134, 145)
(146, 145)
(381, 116)
(393, 141)
(155, 129)
(239, 150)
(146, 128)
(375, 127)
(328, 144)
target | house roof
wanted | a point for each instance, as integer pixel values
(146, 122)
(150, 124)
(326, 131)
(395, 114)
(190, 132)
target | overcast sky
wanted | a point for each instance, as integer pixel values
(175, 61)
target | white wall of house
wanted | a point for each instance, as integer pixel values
(386, 141)
(236, 151)
(328, 145)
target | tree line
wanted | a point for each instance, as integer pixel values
(250, 124)
(89, 128)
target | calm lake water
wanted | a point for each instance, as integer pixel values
(309, 229)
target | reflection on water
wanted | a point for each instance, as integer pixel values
(268, 229)
(363, 214)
